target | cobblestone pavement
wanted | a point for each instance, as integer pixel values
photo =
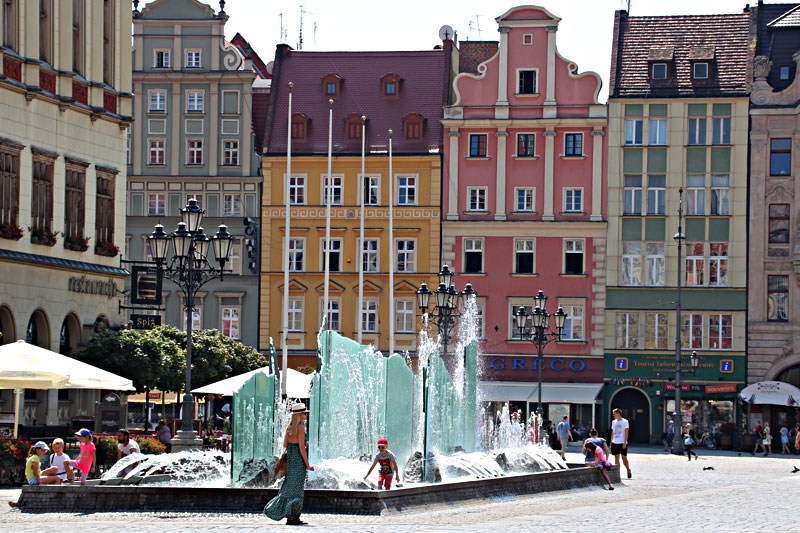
(722, 491)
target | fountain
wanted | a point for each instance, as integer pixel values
(447, 447)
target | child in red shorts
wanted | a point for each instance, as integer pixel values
(388, 464)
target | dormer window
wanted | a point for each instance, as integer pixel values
(353, 126)
(700, 71)
(659, 59)
(413, 126)
(300, 124)
(784, 73)
(390, 84)
(659, 71)
(331, 85)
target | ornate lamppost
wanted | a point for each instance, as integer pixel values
(447, 309)
(535, 327)
(190, 269)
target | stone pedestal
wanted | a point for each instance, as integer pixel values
(186, 440)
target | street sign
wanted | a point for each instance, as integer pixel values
(145, 321)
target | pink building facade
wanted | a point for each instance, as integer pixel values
(523, 207)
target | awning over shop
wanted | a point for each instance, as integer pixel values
(582, 393)
(771, 393)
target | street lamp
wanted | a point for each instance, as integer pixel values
(535, 327)
(677, 415)
(190, 269)
(447, 308)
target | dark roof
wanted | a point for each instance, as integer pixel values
(778, 37)
(247, 51)
(422, 90)
(473, 53)
(722, 40)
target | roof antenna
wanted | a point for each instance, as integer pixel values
(283, 34)
(300, 41)
(478, 25)
(629, 7)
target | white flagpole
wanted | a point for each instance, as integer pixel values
(361, 234)
(285, 326)
(329, 180)
(391, 249)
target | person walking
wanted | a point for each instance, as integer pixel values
(289, 501)
(758, 432)
(670, 436)
(388, 465)
(564, 436)
(619, 439)
(767, 445)
(688, 441)
(785, 440)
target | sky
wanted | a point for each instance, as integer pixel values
(584, 33)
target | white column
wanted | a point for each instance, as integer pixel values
(550, 110)
(597, 175)
(549, 155)
(452, 179)
(501, 106)
(500, 189)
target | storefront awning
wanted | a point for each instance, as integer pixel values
(505, 391)
(771, 393)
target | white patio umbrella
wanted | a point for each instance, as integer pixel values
(298, 384)
(26, 366)
(771, 393)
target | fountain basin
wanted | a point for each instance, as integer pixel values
(133, 498)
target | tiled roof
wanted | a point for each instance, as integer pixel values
(790, 19)
(778, 37)
(473, 53)
(639, 41)
(422, 90)
(246, 50)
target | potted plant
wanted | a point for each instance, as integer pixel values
(76, 243)
(13, 453)
(107, 248)
(10, 231)
(43, 236)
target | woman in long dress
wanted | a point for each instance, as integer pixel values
(289, 501)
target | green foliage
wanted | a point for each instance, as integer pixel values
(150, 446)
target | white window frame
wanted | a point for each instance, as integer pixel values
(234, 263)
(696, 131)
(336, 183)
(659, 71)
(157, 204)
(575, 247)
(190, 54)
(157, 148)
(720, 195)
(369, 315)
(157, 99)
(230, 152)
(631, 268)
(695, 266)
(634, 131)
(524, 248)
(336, 254)
(230, 319)
(695, 194)
(718, 263)
(477, 153)
(655, 264)
(659, 340)
(297, 247)
(370, 188)
(573, 199)
(716, 331)
(405, 318)
(525, 199)
(700, 70)
(656, 195)
(574, 325)
(658, 132)
(194, 152)
(406, 249)
(473, 246)
(334, 314)
(576, 135)
(691, 325)
(195, 101)
(535, 72)
(166, 60)
(295, 313)
(231, 205)
(407, 189)
(297, 189)
(530, 147)
(476, 198)
(721, 131)
(197, 317)
(632, 194)
(370, 255)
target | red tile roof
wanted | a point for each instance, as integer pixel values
(636, 38)
(422, 90)
(473, 53)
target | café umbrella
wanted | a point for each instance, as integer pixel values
(27, 366)
(771, 393)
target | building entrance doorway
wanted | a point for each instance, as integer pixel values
(634, 406)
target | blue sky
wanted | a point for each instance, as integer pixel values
(584, 34)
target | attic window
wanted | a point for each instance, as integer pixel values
(331, 84)
(784, 73)
(390, 85)
(413, 126)
(299, 126)
(700, 71)
(527, 39)
(353, 126)
(659, 71)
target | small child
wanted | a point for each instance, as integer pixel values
(388, 464)
(59, 461)
(33, 472)
(86, 457)
(600, 461)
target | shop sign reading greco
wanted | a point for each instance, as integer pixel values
(86, 285)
